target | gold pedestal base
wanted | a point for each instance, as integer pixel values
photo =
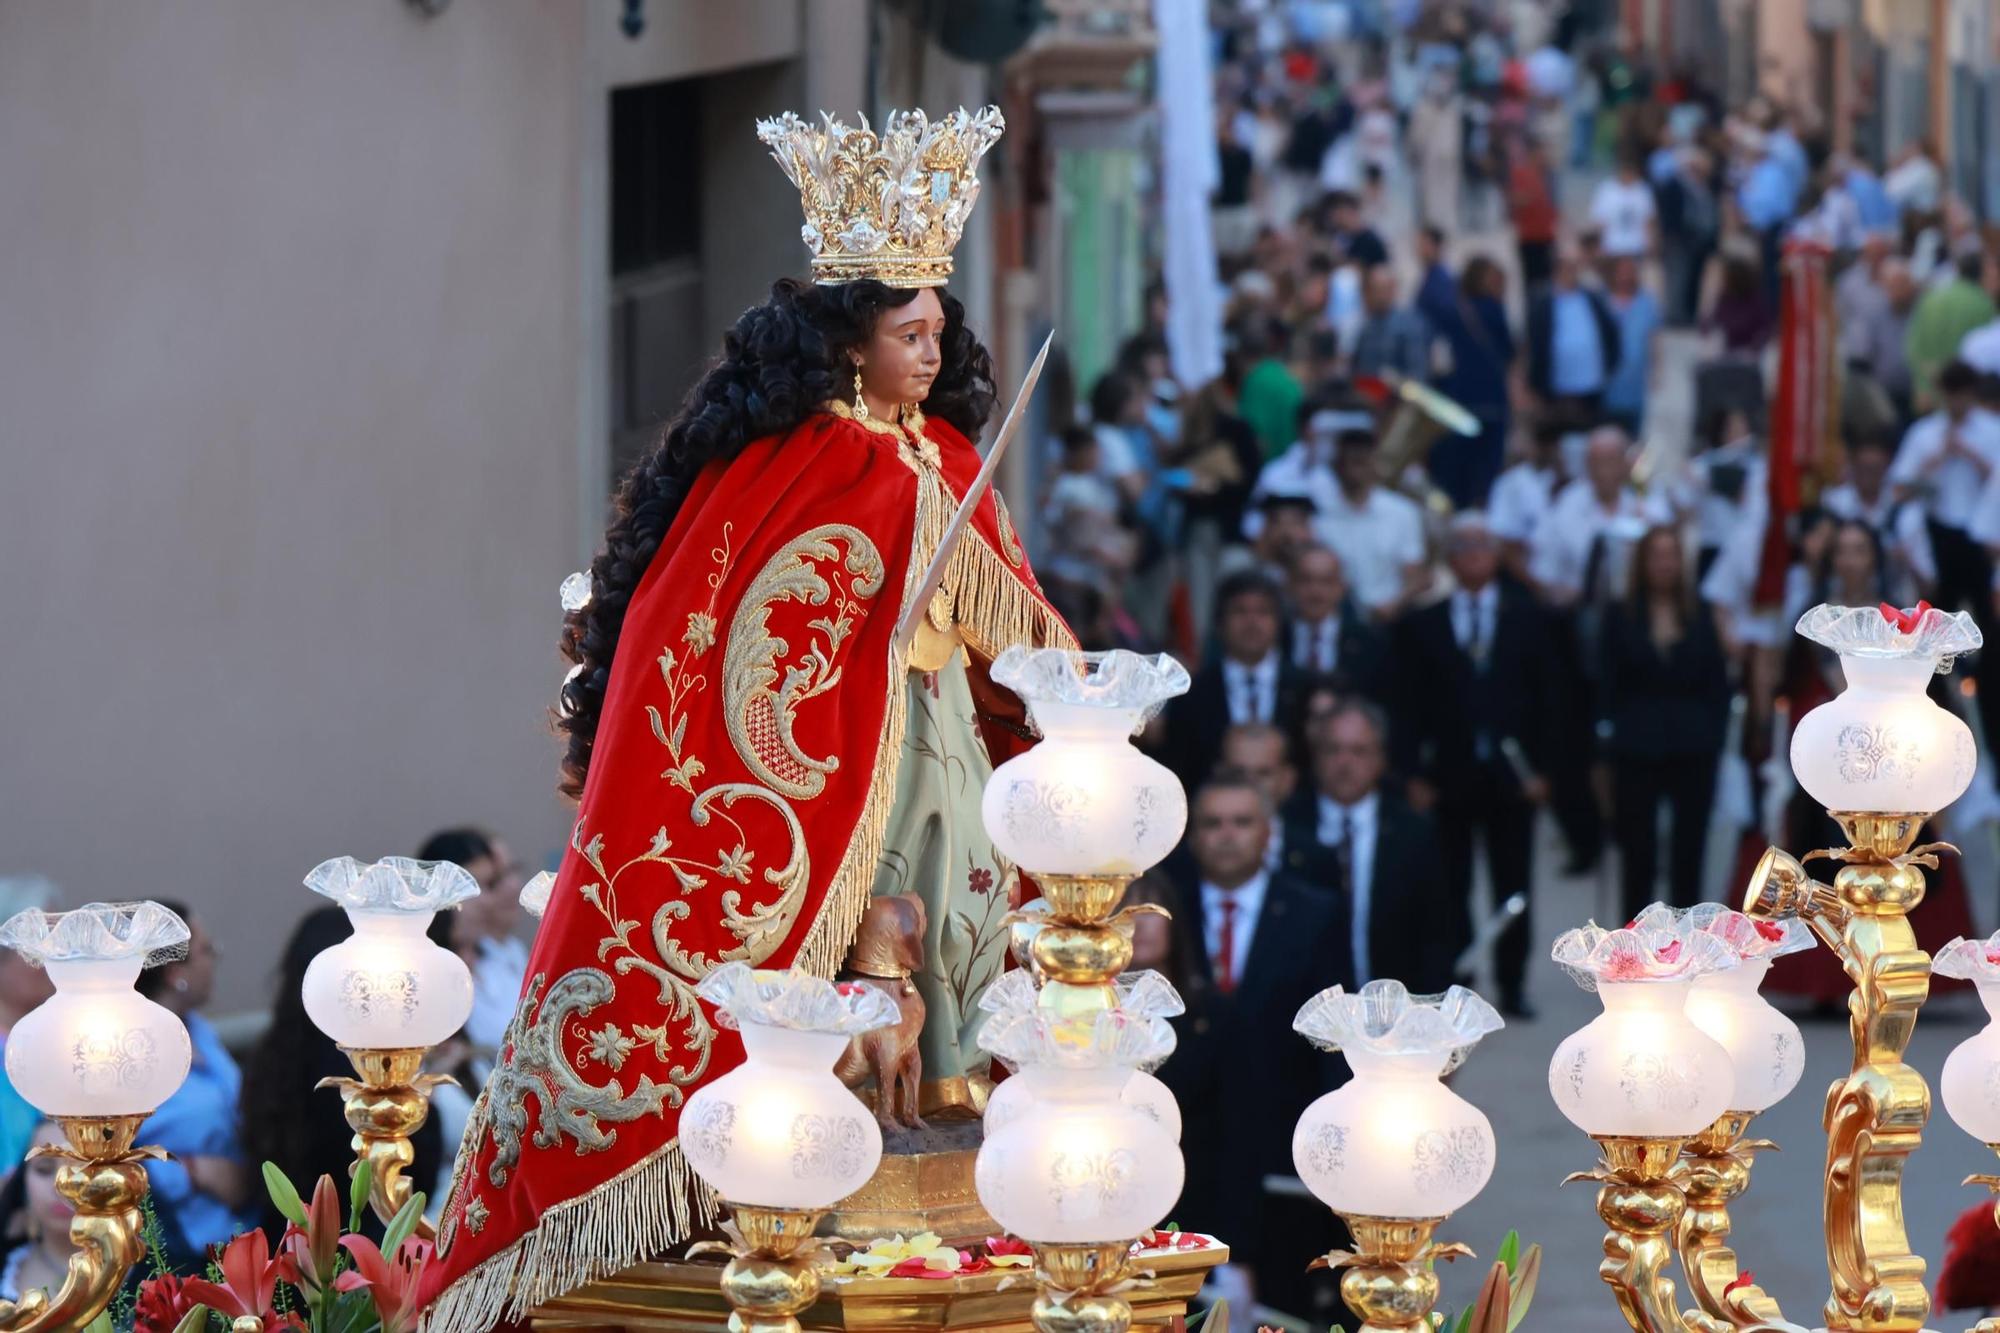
(103, 1177)
(916, 1192)
(688, 1298)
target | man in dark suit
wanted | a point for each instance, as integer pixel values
(1477, 703)
(1329, 637)
(1572, 340)
(1262, 945)
(1382, 856)
(1248, 680)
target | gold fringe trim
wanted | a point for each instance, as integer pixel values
(635, 1215)
(993, 604)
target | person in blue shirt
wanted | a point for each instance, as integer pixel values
(1637, 313)
(205, 1191)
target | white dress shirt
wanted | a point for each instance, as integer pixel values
(1316, 644)
(1376, 541)
(1560, 554)
(1251, 691)
(1303, 471)
(1361, 825)
(1949, 486)
(1521, 495)
(1249, 899)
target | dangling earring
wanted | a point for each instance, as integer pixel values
(860, 403)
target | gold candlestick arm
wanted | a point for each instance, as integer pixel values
(771, 1275)
(385, 1107)
(1085, 942)
(1080, 1288)
(1713, 1172)
(1642, 1210)
(104, 1178)
(1992, 1183)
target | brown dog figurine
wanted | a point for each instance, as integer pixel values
(887, 948)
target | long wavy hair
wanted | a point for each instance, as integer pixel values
(781, 362)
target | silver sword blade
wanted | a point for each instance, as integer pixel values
(913, 615)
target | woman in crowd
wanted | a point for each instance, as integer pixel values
(34, 1221)
(284, 1120)
(1664, 711)
(208, 1184)
(483, 932)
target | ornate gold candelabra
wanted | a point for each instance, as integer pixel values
(1666, 1196)
(771, 1274)
(104, 1178)
(1713, 1172)
(1875, 1116)
(385, 1107)
(1085, 939)
(1389, 1279)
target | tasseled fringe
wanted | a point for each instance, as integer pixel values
(634, 1216)
(994, 605)
(853, 883)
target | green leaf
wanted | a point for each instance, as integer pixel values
(357, 1192)
(1463, 1322)
(1510, 1251)
(283, 1196)
(351, 1312)
(194, 1321)
(101, 1324)
(403, 1223)
(1217, 1318)
(1523, 1292)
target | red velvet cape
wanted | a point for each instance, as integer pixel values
(738, 788)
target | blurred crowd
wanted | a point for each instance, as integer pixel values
(1415, 625)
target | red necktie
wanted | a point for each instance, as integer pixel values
(1225, 961)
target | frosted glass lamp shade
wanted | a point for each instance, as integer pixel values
(1764, 1046)
(1013, 1096)
(1079, 1165)
(1970, 1085)
(1084, 801)
(1881, 745)
(1394, 1141)
(97, 1046)
(1642, 1068)
(779, 1130)
(388, 986)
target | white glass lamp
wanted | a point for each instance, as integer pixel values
(388, 986)
(97, 1048)
(1140, 995)
(1394, 1141)
(1079, 1165)
(1970, 1085)
(1084, 801)
(1642, 1069)
(1765, 1048)
(779, 1137)
(1881, 746)
(780, 1131)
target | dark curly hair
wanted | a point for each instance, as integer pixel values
(781, 362)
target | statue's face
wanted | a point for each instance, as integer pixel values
(901, 360)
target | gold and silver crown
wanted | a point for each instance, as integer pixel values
(888, 206)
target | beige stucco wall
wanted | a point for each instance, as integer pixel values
(288, 420)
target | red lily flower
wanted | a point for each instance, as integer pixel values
(306, 1255)
(391, 1283)
(1905, 621)
(1008, 1245)
(162, 1303)
(249, 1281)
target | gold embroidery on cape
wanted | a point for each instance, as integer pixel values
(1010, 542)
(909, 429)
(760, 717)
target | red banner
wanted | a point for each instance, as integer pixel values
(1804, 411)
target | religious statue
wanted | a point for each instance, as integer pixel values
(756, 752)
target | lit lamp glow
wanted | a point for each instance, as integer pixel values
(1393, 1150)
(1079, 1173)
(98, 1058)
(386, 994)
(779, 1138)
(1641, 1079)
(1881, 746)
(1768, 1056)
(1970, 1085)
(1083, 812)
(1140, 995)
